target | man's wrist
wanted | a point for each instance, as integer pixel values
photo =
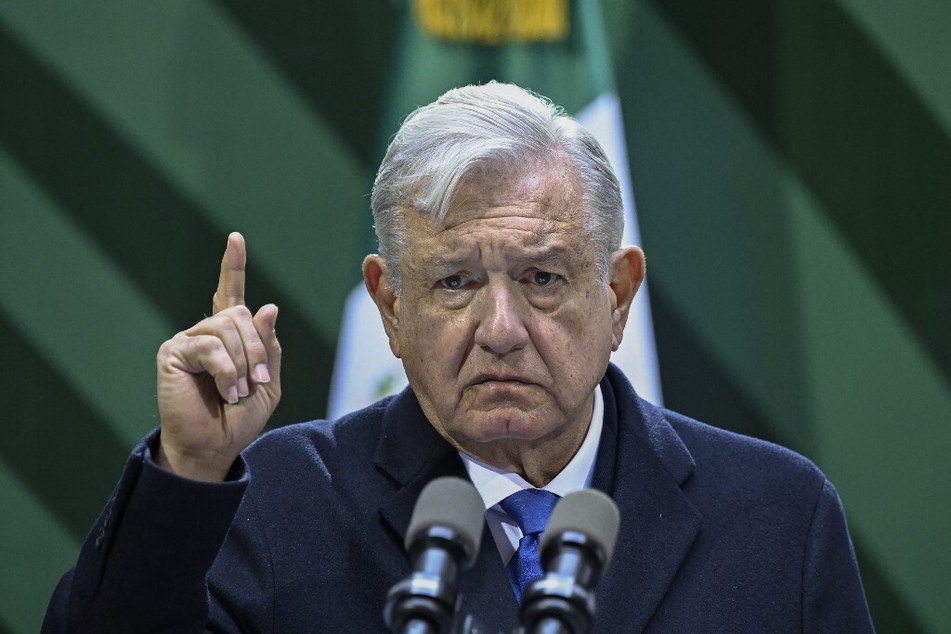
(192, 467)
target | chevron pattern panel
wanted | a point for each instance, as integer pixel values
(791, 161)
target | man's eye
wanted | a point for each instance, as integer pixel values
(543, 278)
(453, 282)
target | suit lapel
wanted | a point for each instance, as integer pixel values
(487, 592)
(642, 464)
(412, 453)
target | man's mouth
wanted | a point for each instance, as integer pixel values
(499, 378)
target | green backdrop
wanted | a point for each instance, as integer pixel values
(791, 162)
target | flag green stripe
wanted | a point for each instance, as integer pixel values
(589, 19)
(426, 67)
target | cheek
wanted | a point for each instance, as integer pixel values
(433, 342)
(579, 341)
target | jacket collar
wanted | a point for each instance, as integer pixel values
(412, 453)
(642, 464)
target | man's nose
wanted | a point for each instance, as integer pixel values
(501, 319)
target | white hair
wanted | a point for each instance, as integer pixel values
(497, 126)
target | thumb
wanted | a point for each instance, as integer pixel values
(265, 322)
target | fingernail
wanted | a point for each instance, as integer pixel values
(243, 389)
(261, 375)
(232, 394)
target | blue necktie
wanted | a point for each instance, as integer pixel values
(530, 508)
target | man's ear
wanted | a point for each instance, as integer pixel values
(376, 276)
(627, 272)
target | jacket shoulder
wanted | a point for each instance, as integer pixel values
(745, 472)
(318, 445)
(709, 441)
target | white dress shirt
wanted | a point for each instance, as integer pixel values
(495, 485)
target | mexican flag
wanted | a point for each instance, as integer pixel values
(556, 48)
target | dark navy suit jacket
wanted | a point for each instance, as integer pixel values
(719, 533)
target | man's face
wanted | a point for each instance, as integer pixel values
(504, 325)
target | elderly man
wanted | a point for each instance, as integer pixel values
(503, 287)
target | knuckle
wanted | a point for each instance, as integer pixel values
(223, 328)
(256, 350)
(241, 312)
(218, 320)
(170, 347)
(226, 374)
(205, 344)
(165, 349)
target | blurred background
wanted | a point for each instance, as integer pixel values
(790, 161)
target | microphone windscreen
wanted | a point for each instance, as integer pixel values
(454, 503)
(590, 512)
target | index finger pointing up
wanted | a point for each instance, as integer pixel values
(230, 291)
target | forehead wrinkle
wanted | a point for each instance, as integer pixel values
(532, 241)
(545, 253)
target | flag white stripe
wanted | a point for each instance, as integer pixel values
(637, 355)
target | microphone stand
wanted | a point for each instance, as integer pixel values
(424, 602)
(562, 601)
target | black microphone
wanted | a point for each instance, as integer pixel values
(442, 541)
(576, 547)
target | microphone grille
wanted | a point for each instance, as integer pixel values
(590, 512)
(454, 503)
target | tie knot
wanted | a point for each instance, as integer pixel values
(530, 508)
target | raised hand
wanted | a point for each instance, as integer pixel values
(218, 381)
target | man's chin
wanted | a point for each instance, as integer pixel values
(500, 427)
